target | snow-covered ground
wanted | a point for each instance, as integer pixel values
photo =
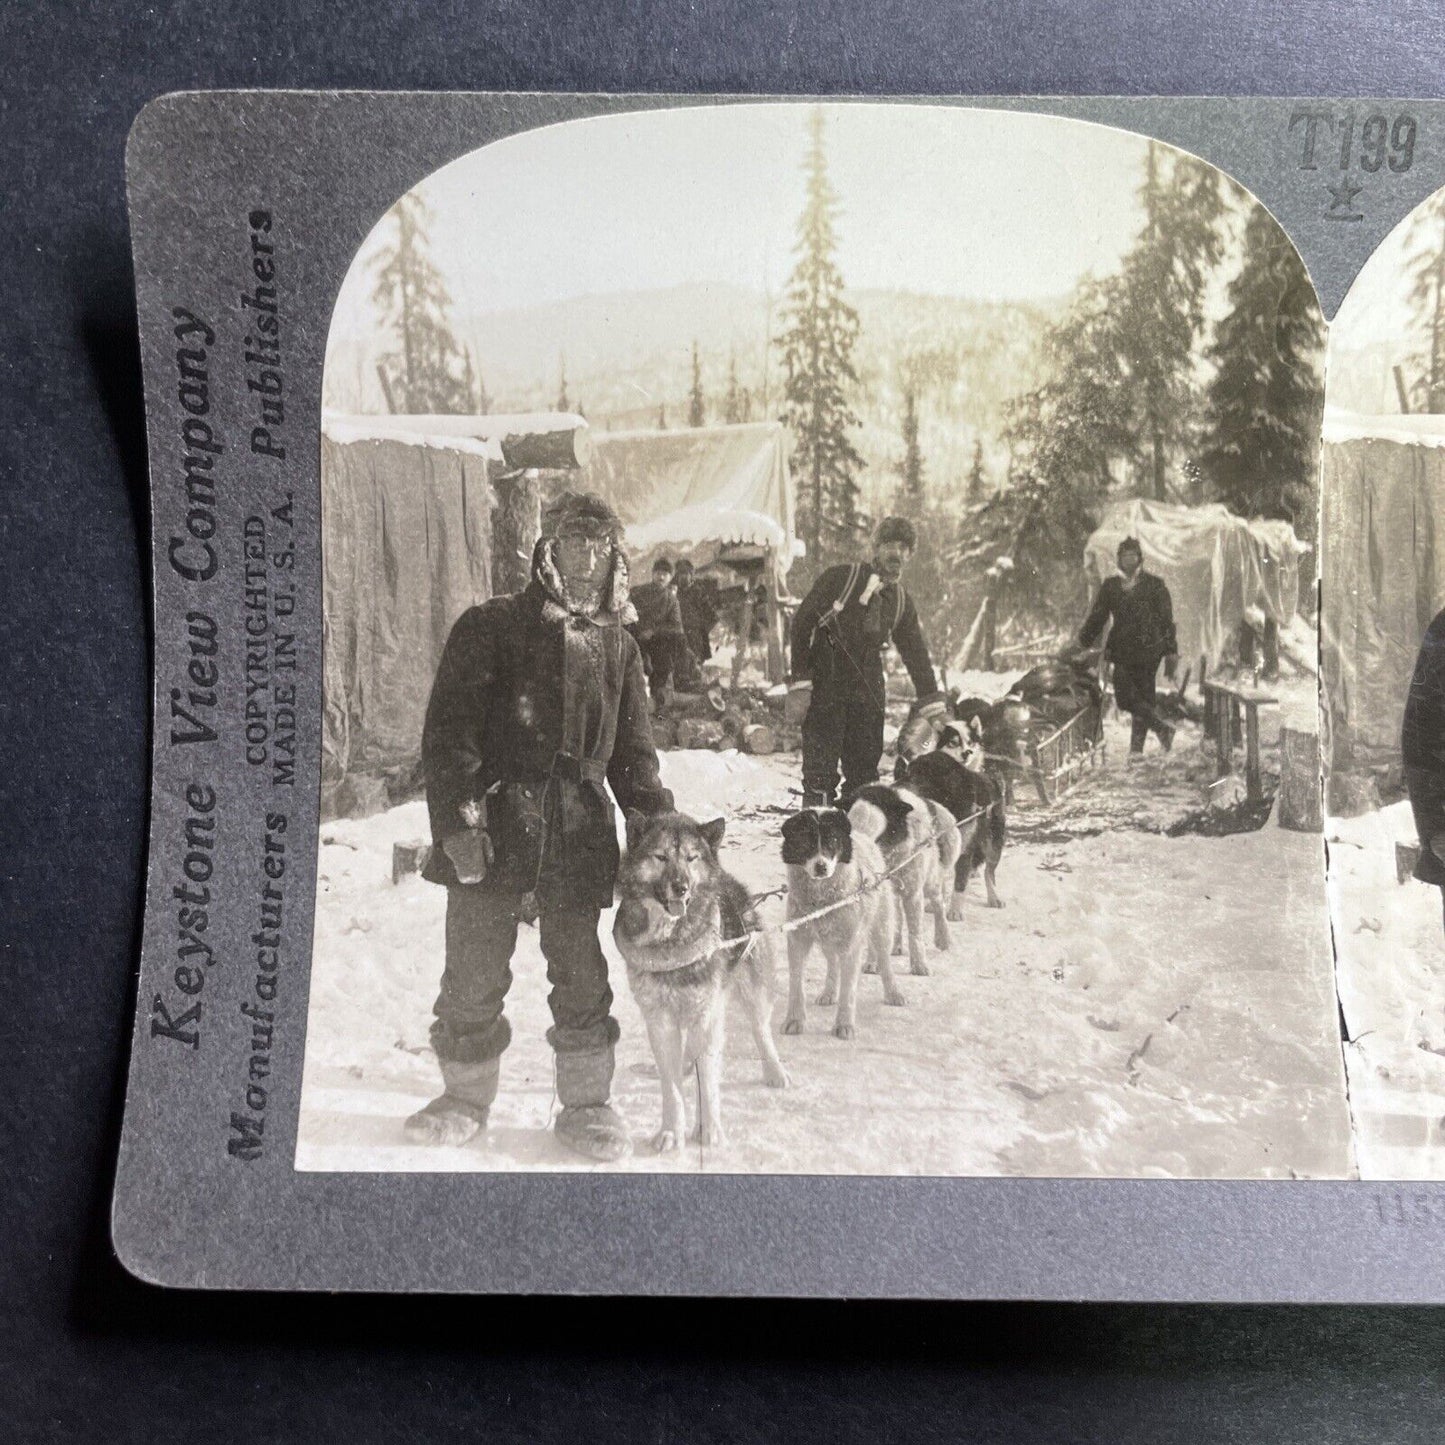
(1142, 1006)
(1391, 963)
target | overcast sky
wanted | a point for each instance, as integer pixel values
(1375, 308)
(942, 201)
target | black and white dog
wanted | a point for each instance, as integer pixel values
(945, 776)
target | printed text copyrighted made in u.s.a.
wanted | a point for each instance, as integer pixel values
(230, 693)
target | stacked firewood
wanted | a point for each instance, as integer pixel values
(718, 717)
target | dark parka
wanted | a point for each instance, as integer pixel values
(547, 705)
(843, 649)
(1143, 631)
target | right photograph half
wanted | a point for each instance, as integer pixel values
(1383, 693)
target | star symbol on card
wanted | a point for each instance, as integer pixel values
(1342, 201)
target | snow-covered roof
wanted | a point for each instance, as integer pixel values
(1422, 429)
(690, 526)
(473, 435)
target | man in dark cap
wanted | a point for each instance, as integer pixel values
(1142, 636)
(1422, 747)
(658, 629)
(538, 701)
(850, 615)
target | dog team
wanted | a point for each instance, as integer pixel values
(538, 720)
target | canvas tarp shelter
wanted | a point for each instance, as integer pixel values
(1215, 564)
(1383, 571)
(406, 548)
(699, 492)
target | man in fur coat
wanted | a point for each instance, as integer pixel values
(538, 701)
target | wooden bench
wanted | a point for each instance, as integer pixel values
(1223, 705)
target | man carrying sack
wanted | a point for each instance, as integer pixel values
(539, 699)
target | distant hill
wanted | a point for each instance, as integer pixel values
(628, 358)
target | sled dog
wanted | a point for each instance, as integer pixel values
(942, 776)
(920, 841)
(827, 864)
(677, 907)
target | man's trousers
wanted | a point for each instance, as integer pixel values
(843, 726)
(481, 933)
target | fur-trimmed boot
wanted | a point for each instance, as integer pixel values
(459, 1113)
(588, 1123)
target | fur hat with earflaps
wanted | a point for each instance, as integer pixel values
(585, 511)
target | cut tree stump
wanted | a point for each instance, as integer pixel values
(759, 740)
(1351, 794)
(1301, 806)
(407, 858)
(1407, 855)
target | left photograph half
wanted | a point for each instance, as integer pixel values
(820, 661)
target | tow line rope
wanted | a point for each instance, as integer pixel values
(751, 937)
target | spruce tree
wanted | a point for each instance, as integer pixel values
(820, 329)
(911, 491)
(1161, 312)
(475, 386)
(564, 402)
(977, 479)
(1266, 400)
(696, 408)
(1425, 270)
(734, 398)
(1066, 440)
(425, 363)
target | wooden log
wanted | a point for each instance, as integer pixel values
(711, 703)
(699, 732)
(1301, 801)
(516, 522)
(797, 703)
(759, 740)
(1254, 781)
(565, 449)
(664, 732)
(1351, 794)
(408, 858)
(777, 667)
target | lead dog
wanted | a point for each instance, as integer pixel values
(828, 864)
(678, 906)
(943, 777)
(920, 841)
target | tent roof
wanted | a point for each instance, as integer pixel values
(1423, 429)
(1216, 565)
(698, 486)
(1169, 530)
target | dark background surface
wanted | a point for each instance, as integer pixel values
(88, 1353)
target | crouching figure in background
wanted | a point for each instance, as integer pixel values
(539, 700)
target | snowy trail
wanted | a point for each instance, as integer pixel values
(1143, 1006)
(1392, 976)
